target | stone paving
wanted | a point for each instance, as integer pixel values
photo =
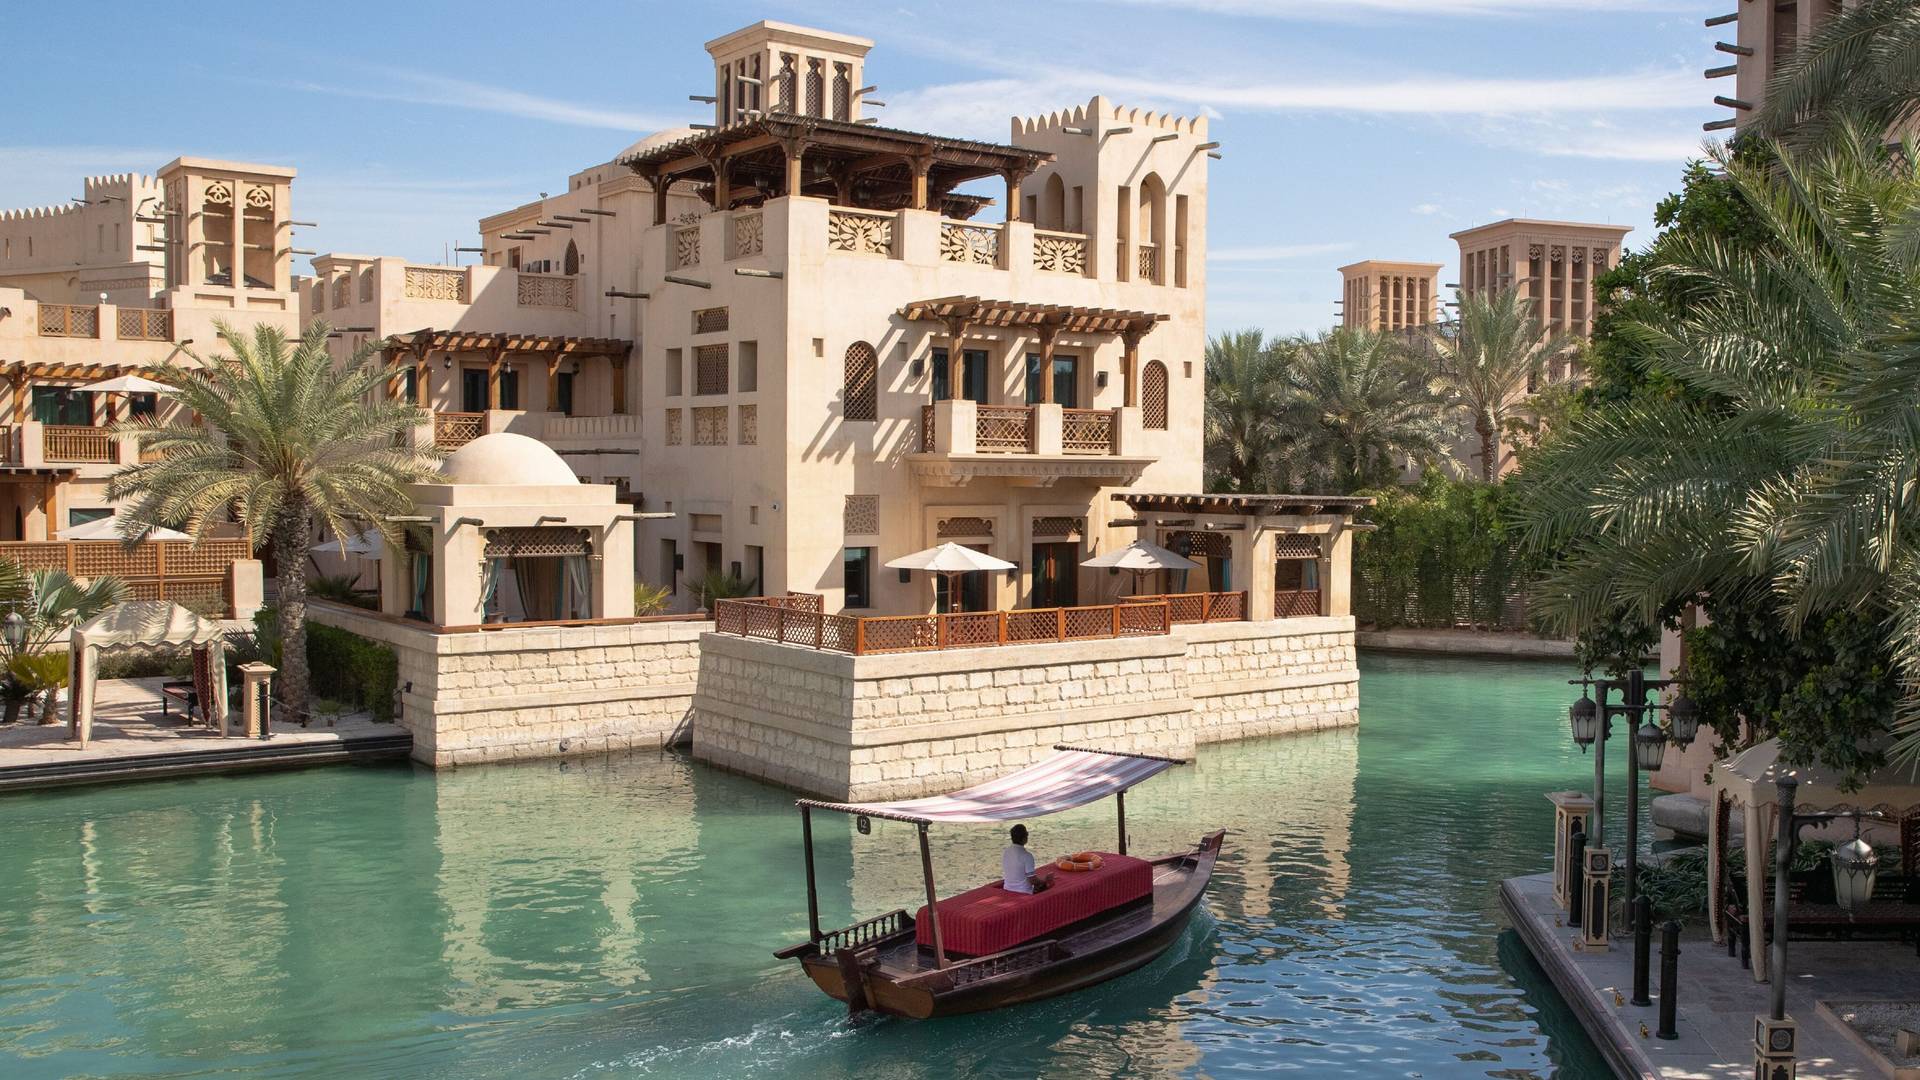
(1718, 998)
(127, 722)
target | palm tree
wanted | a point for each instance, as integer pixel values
(1792, 456)
(1247, 407)
(290, 440)
(51, 603)
(1370, 407)
(1863, 65)
(1489, 359)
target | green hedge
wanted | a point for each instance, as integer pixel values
(1442, 555)
(350, 669)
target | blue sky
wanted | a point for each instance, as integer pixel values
(1352, 128)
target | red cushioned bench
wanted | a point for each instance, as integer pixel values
(989, 918)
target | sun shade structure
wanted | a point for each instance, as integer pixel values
(949, 558)
(146, 624)
(1141, 557)
(1069, 778)
(108, 528)
(128, 384)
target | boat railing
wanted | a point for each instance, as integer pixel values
(1024, 958)
(861, 934)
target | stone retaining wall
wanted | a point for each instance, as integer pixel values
(502, 695)
(876, 727)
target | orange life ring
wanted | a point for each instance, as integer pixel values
(1079, 862)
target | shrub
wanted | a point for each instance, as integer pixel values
(348, 668)
(650, 599)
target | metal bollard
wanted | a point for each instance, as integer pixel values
(1669, 979)
(1576, 863)
(1642, 945)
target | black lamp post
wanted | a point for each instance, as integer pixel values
(1591, 719)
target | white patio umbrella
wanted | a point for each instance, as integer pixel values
(949, 559)
(1141, 558)
(108, 528)
(128, 384)
(368, 544)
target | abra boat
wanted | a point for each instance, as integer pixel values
(986, 948)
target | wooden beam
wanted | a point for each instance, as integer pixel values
(495, 357)
(1130, 366)
(619, 363)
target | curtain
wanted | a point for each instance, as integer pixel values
(540, 587)
(489, 587)
(579, 588)
(422, 583)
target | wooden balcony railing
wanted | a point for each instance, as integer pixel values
(144, 324)
(72, 443)
(1003, 429)
(1149, 262)
(797, 620)
(453, 430)
(1087, 431)
(1202, 607)
(1296, 603)
(69, 320)
(153, 570)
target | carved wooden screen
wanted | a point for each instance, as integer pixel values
(843, 91)
(788, 76)
(862, 383)
(816, 86)
(570, 262)
(534, 542)
(1153, 396)
(710, 369)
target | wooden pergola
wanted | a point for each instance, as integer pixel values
(774, 154)
(20, 375)
(1047, 321)
(500, 347)
(1255, 505)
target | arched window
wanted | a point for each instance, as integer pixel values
(862, 387)
(1152, 235)
(1153, 396)
(1053, 204)
(570, 263)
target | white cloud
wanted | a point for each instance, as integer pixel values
(416, 89)
(1274, 253)
(1426, 209)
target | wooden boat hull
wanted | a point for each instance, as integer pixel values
(891, 974)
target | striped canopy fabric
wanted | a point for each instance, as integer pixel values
(1072, 777)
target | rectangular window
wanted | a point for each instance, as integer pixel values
(84, 514)
(410, 385)
(670, 566)
(513, 258)
(63, 406)
(710, 369)
(563, 393)
(1066, 381)
(856, 564)
(757, 566)
(509, 389)
(674, 372)
(973, 375)
(139, 405)
(748, 376)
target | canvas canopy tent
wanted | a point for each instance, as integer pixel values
(1141, 558)
(145, 624)
(1750, 780)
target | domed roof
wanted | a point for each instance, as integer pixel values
(506, 458)
(658, 138)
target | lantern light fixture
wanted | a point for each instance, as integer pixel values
(1650, 744)
(1585, 717)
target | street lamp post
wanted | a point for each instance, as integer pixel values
(1592, 723)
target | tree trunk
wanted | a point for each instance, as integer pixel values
(290, 556)
(1489, 448)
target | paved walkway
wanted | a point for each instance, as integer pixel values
(1718, 998)
(129, 730)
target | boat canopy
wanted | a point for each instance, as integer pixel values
(1071, 777)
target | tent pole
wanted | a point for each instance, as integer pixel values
(813, 899)
(1120, 801)
(933, 910)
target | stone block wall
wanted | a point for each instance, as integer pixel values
(502, 695)
(1272, 678)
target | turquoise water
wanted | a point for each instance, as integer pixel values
(616, 918)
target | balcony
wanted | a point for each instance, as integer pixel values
(78, 445)
(144, 324)
(69, 320)
(453, 430)
(1034, 445)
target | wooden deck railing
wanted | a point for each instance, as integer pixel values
(1003, 429)
(453, 430)
(1086, 431)
(69, 320)
(1296, 603)
(144, 324)
(797, 619)
(64, 442)
(154, 570)
(1202, 607)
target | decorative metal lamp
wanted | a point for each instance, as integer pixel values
(1585, 716)
(1650, 746)
(15, 630)
(1684, 717)
(1856, 868)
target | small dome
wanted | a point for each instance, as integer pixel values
(658, 138)
(506, 458)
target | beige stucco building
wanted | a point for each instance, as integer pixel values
(1764, 36)
(1552, 263)
(1383, 295)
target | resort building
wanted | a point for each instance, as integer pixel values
(1389, 296)
(1764, 36)
(1552, 263)
(795, 346)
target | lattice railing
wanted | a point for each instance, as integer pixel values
(548, 290)
(1149, 265)
(1296, 603)
(1086, 431)
(65, 442)
(453, 430)
(1061, 253)
(430, 283)
(144, 324)
(975, 245)
(797, 620)
(1003, 429)
(152, 570)
(69, 320)
(859, 231)
(1203, 606)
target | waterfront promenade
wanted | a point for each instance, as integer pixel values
(1718, 998)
